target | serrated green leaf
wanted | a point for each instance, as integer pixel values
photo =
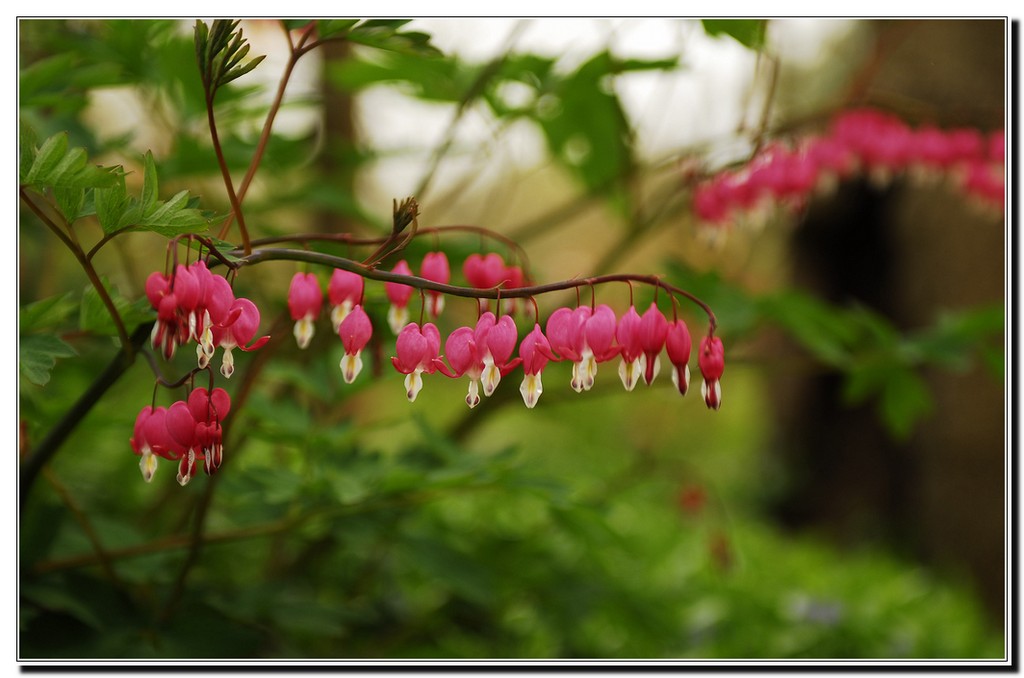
(111, 204)
(46, 159)
(150, 183)
(54, 166)
(46, 313)
(748, 32)
(37, 355)
(70, 202)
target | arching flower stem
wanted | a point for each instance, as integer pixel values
(280, 254)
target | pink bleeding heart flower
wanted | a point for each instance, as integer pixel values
(355, 332)
(677, 345)
(238, 334)
(484, 272)
(500, 337)
(584, 337)
(304, 301)
(711, 359)
(436, 269)
(634, 362)
(461, 351)
(417, 351)
(398, 295)
(653, 330)
(208, 409)
(481, 353)
(535, 351)
(344, 291)
(141, 443)
(218, 311)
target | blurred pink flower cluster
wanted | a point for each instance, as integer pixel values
(866, 141)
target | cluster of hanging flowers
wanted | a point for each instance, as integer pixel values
(484, 353)
(187, 432)
(866, 141)
(193, 304)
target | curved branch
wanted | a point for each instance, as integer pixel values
(274, 254)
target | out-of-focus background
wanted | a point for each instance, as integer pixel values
(847, 501)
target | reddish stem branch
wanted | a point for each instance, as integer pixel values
(90, 272)
(274, 254)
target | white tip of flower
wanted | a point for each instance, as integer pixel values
(490, 377)
(413, 384)
(304, 330)
(339, 312)
(206, 341)
(531, 389)
(577, 378)
(473, 397)
(148, 465)
(202, 359)
(398, 317)
(227, 365)
(588, 370)
(712, 394)
(351, 365)
(685, 381)
(629, 372)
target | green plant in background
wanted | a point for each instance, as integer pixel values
(342, 524)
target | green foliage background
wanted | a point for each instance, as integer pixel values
(347, 522)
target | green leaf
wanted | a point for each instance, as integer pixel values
(111, 205)
(94, 316)
(46, 313)
(118, 211)
(26, 146)
(905, 399)
(70, 202)
(825, 331)
(585, 125)
(37, 355)
(748, 32)
(55, 166)
(326, 28)
(150, 184)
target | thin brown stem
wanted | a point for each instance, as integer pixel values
(236, 206)
(90, 272)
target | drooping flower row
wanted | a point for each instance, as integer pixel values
(875, 143)
(584, 336)
(188, 432)
(345, 291)
(193, 304)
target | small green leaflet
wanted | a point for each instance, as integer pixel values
(37, 355)
(118, 211)
(54, 166)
